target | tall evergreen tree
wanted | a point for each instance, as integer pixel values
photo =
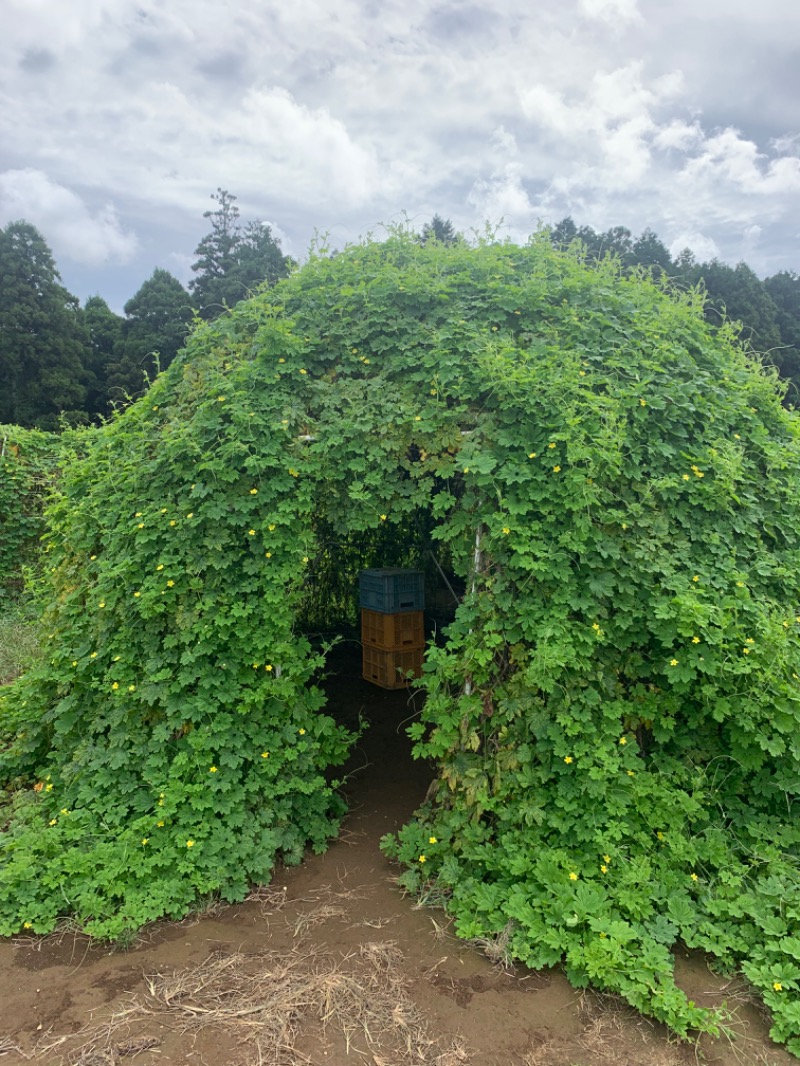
(233, 261)
(439, 229)
(784, 290)
(105, 333)
(43, 339)
(157, 319)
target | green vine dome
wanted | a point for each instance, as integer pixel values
(614, 714)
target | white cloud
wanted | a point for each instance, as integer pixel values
(704, 248)
(72, 230)
(610, 10)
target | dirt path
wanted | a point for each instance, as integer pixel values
(332, 957)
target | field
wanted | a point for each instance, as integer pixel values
(332, 964)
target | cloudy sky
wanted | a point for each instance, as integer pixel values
(119, 118)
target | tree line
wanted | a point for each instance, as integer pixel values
(63, 363)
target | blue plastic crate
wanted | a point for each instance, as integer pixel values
(392, 590)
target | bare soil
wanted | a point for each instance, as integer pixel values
(332, 964)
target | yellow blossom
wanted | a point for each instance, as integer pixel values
(630, 773)
(777, 986)
(531, 455)
(567, 759)
(643, 403)
(189, 843)
(383, 518)
(190, 514)
(27, 925)
(251, 532)
(422, 858)
(596, 627)
(606, 858)
(48, 788)
(686, 477)
(173, 522)
(695, 578)
(281, 360)
(74, 662)
(302, 732)
(53, 821)
(140, 526)
(136, 595)
(267, 555)
(101, 604)
(303, 371)
(623, 740)
(268, 668)
(432, 840)
(271, 527)
(695, 877)
(506, 530)
(212, 769)
(131, 688)
(264, 754)
(170, 584)
(604, 869)
(673, 662)
(552, 444)
(556, 469)
(160, 825)
(253, 492)
(220, 399)
(160, 566)
(745, 651)
(660, 835)
(573, 877)
(144, 840)
(695, 640)
(92, 558)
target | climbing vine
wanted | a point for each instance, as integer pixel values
(614, 714)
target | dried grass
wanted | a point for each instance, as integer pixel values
(266, 1000)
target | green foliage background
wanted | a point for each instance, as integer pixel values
(614, 715)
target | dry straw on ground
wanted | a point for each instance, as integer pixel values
(266, 1001)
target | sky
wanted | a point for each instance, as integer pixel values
(120, 118)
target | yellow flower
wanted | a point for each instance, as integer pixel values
(736, 436)
(695, 877)
(293, 472)
(268, 668)
(686, 477)
(251, 532)
(138, 514)
(140, 526)
(556, 469)
(144, 840)
(92, 558)
(573, 877)
(264, 754)
(27, 925)
(256, 665)
(604, 869)
(281, 360)
(305, 558)
(302, 732)
(160, 825)
(695, 640)
(170, 584)
(417, 418)
(160, 566)
(749, 640)
(74, 662)
(745, 651)
(220, 399)
(254, 492)
(212, 769)
(643, 403)
(383, 518)
(163, 510)
(422, 858)
(623, 740)
(630, 773)
(267, 555)
(777, 986)
(596, 627)
(190, 514)
(136, 595)
(567, 759)
(189, 843)
(48, 788)
(695, 578)
(303, 371)
(606, 858)
(432, 840)
(506, 530)
(173, 522)
(660, 835)
(271, 527)
(131, 688)
(531, 455)
(673, 662)
(582, 373)
(552, 444)
(466, 469)
(101, 604)
(53, 821)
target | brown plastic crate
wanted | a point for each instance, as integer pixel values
(393, 632)
(388, 668)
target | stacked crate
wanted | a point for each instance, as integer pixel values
(392, 625)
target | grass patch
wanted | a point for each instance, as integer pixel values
(19, 639)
